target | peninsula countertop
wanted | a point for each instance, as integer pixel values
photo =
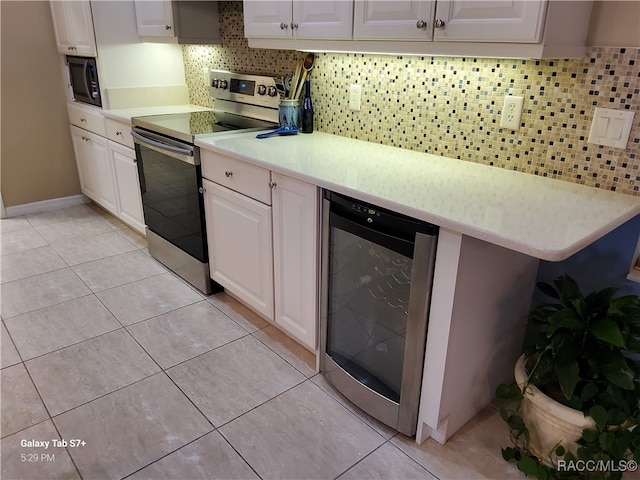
(541, 217)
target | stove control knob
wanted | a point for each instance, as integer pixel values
(223, 84)
(272, 92)
(262, 89)
(214, 83)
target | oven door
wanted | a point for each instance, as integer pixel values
(171, 187)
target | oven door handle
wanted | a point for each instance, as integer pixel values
(183, 154)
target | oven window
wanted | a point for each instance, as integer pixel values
(173, 206)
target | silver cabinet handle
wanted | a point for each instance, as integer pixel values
(439, 23)
(421, 24)
(228, 174)
(294, 26)
(202, 190)
(283, 26)
(273, 184)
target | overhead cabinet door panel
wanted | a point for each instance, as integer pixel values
(323, 19)
(267, 19)
(490, 21)
(393, 20)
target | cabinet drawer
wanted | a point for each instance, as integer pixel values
(87, 118)
(119, 132)
(236, 175)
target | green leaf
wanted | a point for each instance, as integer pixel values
(590, 436)
(508, 391)
(599, 415)
(548, 290)
(568, 377)
(560, 451)
(528, 466)
(565, 318)
(607, 330)
(567, 287)
(588, 391)
(617, 371)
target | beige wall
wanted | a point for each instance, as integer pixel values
(615, 24)
(37, 158)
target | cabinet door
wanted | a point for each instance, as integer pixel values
(240, 246)
(295, 242)
(267, 19)
(331, 19)
(127, 185)
(73, 26)
(86, 168)
(154, 18)
(105, 178)
(490, 21)
(393, 20)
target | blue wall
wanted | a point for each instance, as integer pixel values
(602, 264)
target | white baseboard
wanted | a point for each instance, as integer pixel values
(45, 205)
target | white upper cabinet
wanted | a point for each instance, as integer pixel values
(154, 18)
(489, 21)
(494, 28)
(393, 20)
(73, 26)
(309, 19)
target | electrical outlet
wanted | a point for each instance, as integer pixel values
(511, 112)
(355, 97)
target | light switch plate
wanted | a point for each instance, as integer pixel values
(355, 96)
(611, 127)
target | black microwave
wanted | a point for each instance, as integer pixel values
(83, 74)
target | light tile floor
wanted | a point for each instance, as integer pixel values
(101, 344)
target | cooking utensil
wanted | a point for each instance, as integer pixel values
(307, 65)
(296, 79)
(279, 131)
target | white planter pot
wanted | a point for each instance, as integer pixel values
(549, 423)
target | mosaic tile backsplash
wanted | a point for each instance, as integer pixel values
(451, 106)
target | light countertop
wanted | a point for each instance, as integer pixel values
(126, 114)
(545, 218)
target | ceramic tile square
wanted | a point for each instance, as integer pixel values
(72, 230)
(29, 294)
(386, 463)
(131, 428)
(76, 212)
(44, 463)
(185, 333)
(85, 371)
(378, 426)
(303, 433)
(472, 452)
(13, 241)
(208, 458)
(302, 359)
(245, 371)
(51, 328)
(28, 263)
(115, 271)
(8, 353)
(13, 224)
(147, 298)
(21, 404)
(86, 249)
(246, 318)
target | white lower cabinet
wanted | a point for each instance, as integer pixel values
(127, 184)
(263, 236)
(240, 249)
(94, 168)
(295, 254)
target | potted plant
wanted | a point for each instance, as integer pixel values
(582, 374)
